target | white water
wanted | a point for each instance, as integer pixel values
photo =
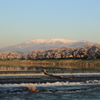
(51, 84)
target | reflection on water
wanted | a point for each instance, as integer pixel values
(49, 69)
(16, 68)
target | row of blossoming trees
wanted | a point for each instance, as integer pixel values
(87, 51)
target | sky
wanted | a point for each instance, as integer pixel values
(22, 20)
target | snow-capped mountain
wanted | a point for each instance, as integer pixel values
(44, 44)
(49, 41)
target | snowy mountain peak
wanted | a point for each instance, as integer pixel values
(60, 40)
(49, 41)
(43, 44)
(35, 41)
(83, 41)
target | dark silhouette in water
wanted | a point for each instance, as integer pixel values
(62, 77)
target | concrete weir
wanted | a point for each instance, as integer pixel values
(40, 78)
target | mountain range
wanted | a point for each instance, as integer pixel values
(43, 44)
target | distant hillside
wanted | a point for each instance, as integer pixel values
(43, 44)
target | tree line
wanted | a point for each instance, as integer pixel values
(87, 51)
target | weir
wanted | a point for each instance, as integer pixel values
(52, 71)
(48, 75)
(45, 78)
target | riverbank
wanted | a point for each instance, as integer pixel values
(51, 63)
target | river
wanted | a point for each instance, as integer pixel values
(50, 91)
(14, 85)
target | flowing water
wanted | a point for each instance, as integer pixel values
(51, 91)
(78, 89)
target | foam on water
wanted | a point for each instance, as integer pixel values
(51, 84)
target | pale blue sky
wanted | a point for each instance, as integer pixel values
(22, 20)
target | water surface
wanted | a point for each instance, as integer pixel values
(50, 91)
